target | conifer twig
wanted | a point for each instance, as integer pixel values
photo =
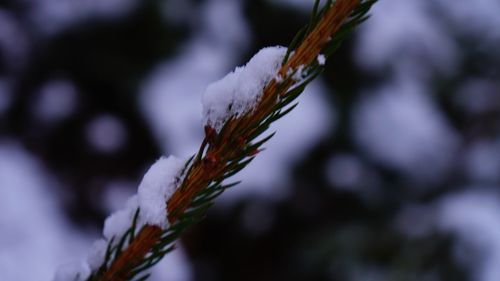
(225, 152)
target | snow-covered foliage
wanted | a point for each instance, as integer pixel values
(157, 186)
(117, 223)
(239, 91)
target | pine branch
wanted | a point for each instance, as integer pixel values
(225, 152)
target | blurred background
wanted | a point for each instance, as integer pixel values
(388, 170)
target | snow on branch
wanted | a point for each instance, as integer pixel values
(175, 194)
(239, 91)
(156, 188)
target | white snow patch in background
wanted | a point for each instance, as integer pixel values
(156, 188)
(224, 24)
(34, 236)
(399, 126)
(474, 216)
(106, 133)
(404, 35)
(170, 96)
(116, 192)
(240, 90)
(73, 271)
(173, 267)
(55, 101)
(97, 254)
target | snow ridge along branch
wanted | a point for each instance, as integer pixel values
(175, 194)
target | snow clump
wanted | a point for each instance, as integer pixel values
(157, 186)
(240, 91)
(120, 221)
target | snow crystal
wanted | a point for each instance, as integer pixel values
(157, 186)
(75, 271)
(321, 59)
(239, 91)
(97, 254)
(120, 221)
(297, 74)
